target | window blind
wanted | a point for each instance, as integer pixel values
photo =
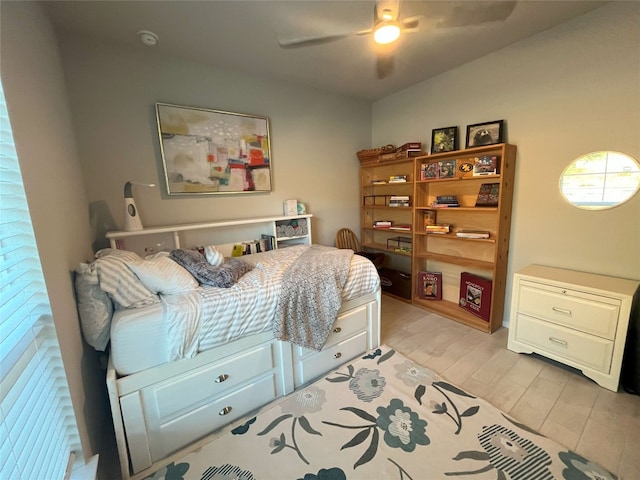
(38, 430)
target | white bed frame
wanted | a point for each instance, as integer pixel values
(166, 408)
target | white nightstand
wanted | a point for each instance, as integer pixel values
(579, 319)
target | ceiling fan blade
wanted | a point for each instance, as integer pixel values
(309, 41)
(466, 14)
(384, 65)
(411, 23)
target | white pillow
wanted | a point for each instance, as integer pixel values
(162, 275)
(214, 257)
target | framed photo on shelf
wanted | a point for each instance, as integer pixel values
(487, 133)
(213, 152)
(444, 139)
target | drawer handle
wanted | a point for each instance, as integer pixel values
(337, 330)
(222, 378)
(558, 341)
(561, 310)
(224, 411)
(337, 355)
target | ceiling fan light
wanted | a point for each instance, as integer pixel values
(386, 33)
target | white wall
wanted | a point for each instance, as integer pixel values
(314, 136)
(565, 92)
(40, 118)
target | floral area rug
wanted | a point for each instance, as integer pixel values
(381, 417)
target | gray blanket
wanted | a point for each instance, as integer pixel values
(311, 295)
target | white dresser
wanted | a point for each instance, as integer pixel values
(579, 319)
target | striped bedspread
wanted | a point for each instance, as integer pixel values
(208, 317)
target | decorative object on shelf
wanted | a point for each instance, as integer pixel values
(447, 169)
(465, 168)
(430, 285)
(290, 207)
(472, 234)
(132, 220)
(429, 171)
(302, 209)
(213, 152)
(410, 147)
(488, 195)
(487, 133)
(428, 218)
(370, 155)
(444, 139)
(475, 295)
(400, 244)
(486, 165)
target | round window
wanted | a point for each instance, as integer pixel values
(600, 180)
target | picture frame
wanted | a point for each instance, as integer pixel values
(487, 133)
(444, 139)
(206, 152)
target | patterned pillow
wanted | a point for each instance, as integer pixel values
(162, 275)
(223, 276)
(116, 279)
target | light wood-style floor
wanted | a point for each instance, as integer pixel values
(558, 402)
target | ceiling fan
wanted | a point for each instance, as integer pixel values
(388, 25)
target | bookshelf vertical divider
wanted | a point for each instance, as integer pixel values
(451, 254)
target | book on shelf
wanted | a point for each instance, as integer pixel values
(378, 182)
(399, 201)
(447, 169)
(382, 224)
(269, 242)
(438, 228)
(430, 285)
(398, 179)
(444, 201)
(428, 171)
(472, 234)
(475, 295)
(486, 165)
(403, 227)
(488, 195)
(448, 199)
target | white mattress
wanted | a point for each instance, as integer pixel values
(139, 337)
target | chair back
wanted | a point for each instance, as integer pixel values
(345, 238)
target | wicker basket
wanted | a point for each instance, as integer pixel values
(370, 155)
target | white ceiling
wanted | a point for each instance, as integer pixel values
(242, 35)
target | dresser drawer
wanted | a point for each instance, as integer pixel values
(582, 311)
(580, 348)
(166, 437)
(328, 359)
(168, 398)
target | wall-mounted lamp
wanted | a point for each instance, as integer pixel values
(131, 218)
